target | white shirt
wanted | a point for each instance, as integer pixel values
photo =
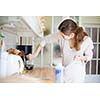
(74, 71)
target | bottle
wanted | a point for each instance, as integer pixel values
(59, 73)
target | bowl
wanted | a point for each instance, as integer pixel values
(29, 66)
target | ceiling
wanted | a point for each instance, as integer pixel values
(14, 23)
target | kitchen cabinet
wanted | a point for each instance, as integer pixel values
(34, 23)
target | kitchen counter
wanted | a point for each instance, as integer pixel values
(24, 78)
(45, 73)
(37, 75)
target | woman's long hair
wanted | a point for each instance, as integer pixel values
(79, 37)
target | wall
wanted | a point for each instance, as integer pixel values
(90, 20)
(10, 40)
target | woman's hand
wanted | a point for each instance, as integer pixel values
(30, 56)
(80, 58)
(77, 58)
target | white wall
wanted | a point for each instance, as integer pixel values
(90, 20)
(10, 40)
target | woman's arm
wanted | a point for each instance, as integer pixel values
(52, 38)
(89, 50)
(35, 54)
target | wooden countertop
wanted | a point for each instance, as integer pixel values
(37, 75)
(45, 73)
(18, 78)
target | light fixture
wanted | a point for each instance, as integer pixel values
(42, 19)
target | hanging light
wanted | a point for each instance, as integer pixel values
(42, 19)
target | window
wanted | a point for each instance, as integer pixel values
(93, 67)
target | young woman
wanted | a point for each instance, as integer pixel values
(76, 48)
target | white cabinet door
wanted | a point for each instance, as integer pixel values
(34, 23)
